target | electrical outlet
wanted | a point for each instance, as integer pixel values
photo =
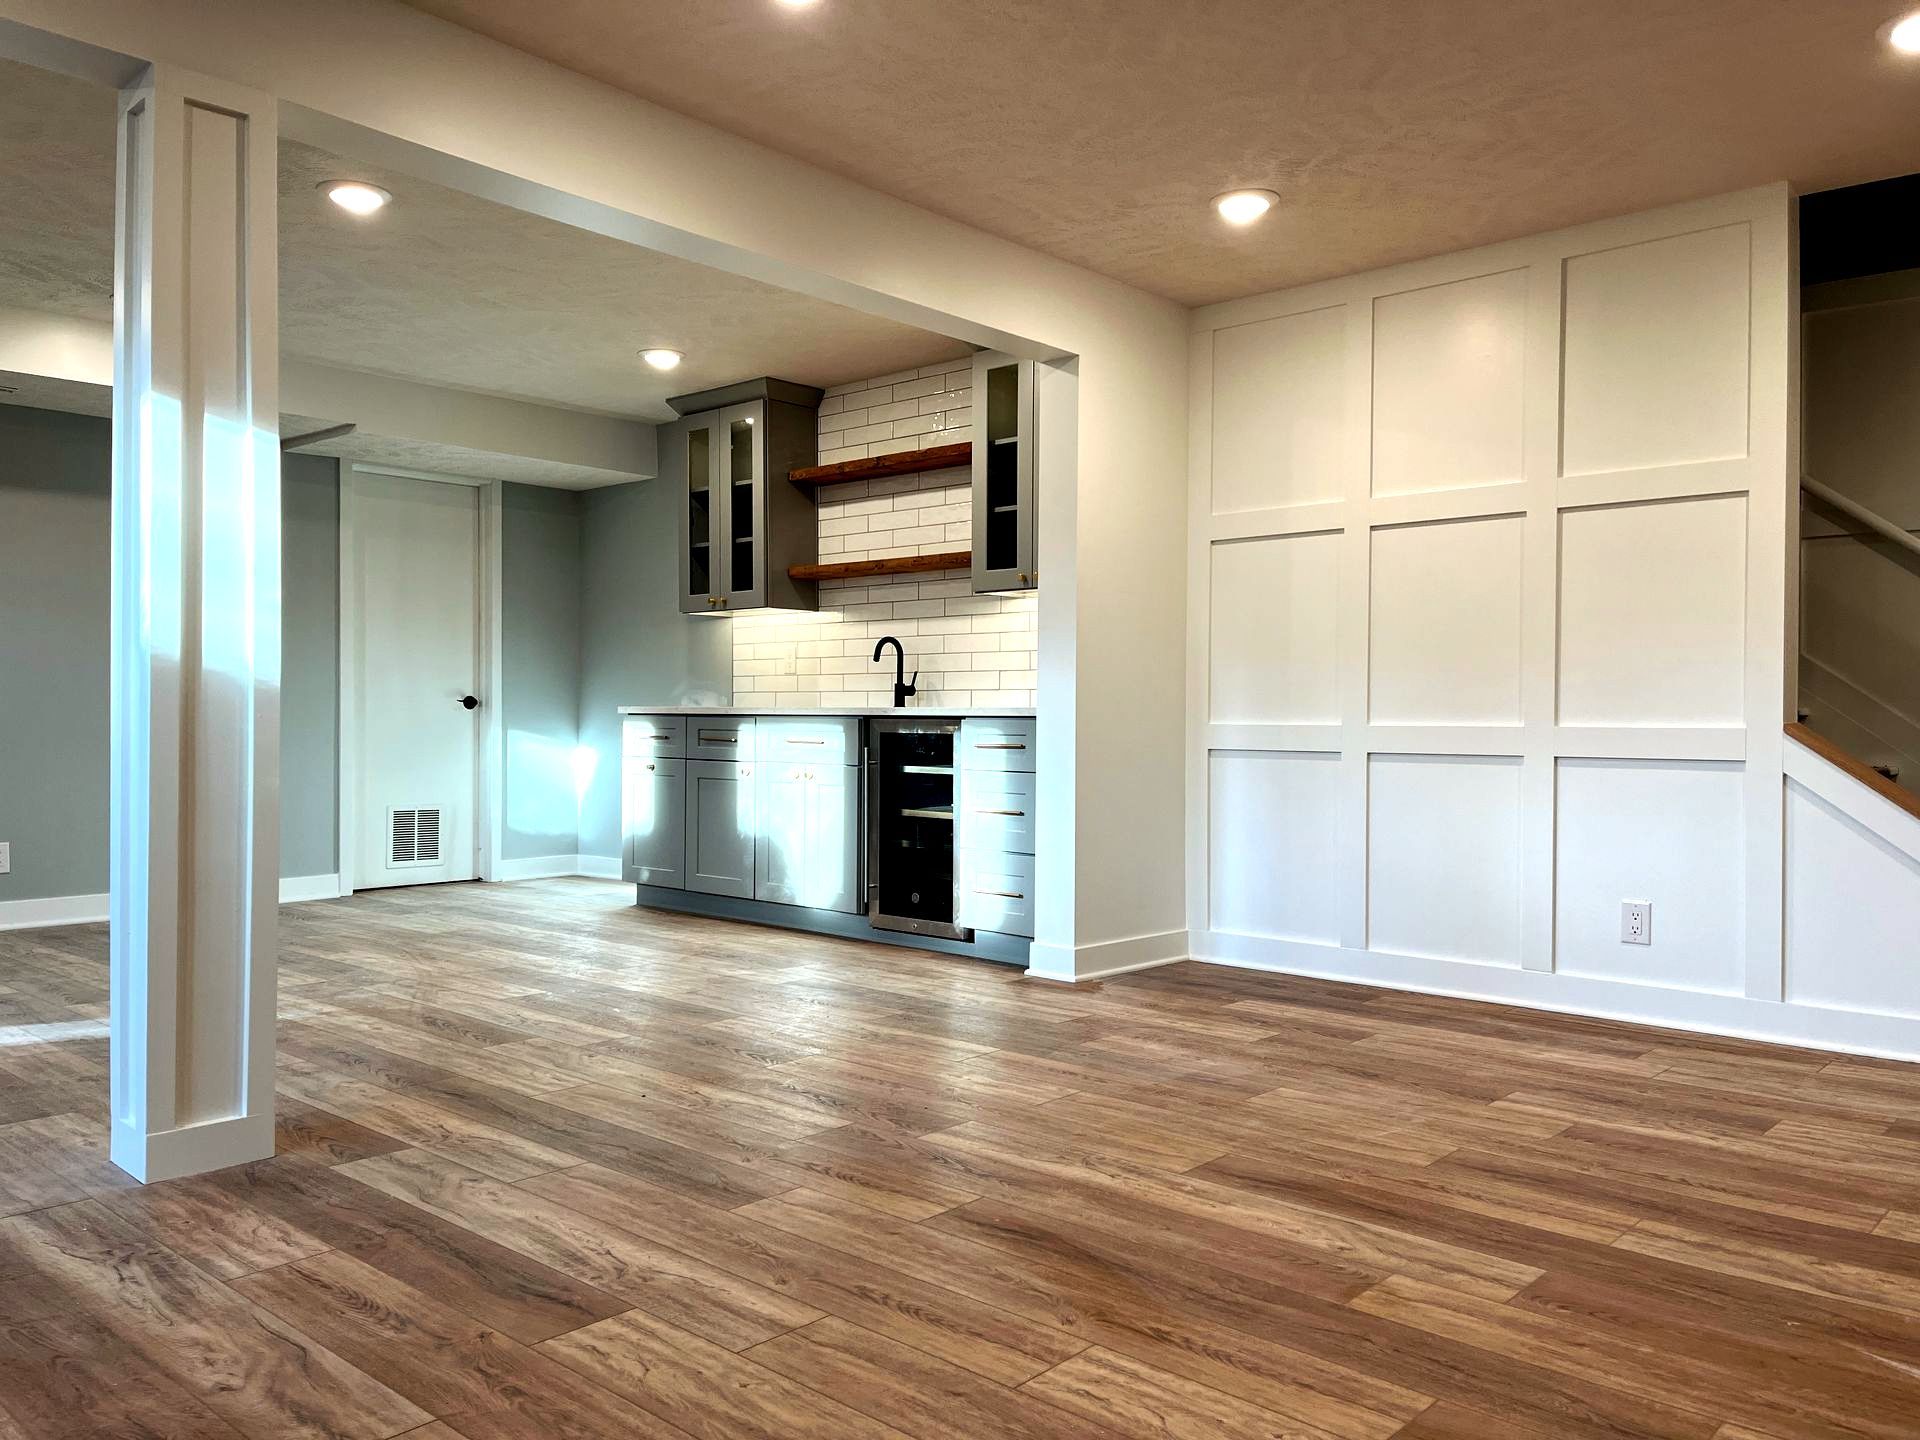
(1636, 922)
(6, 857)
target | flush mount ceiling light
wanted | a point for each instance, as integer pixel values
(1243, 207)
(661, 358)
(1905, 35)
(356, 197)
(798, 4)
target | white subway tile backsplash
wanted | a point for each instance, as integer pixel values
(894, 410)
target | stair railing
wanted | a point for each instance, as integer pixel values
(1854, 510)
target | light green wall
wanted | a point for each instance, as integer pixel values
(636, 647)
(591, 621)
(56, 479)
(56, 474)
(309, 664)
(540, 664)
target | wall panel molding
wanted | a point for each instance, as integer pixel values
(1561, 417)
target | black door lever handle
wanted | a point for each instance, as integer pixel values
(470, 702)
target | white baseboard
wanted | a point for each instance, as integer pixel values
(92, 909)
(553, 867)
(600, 867)
(192, 1149)
(55, 910)
(1108, 957)
(537, 867)
(1849, 1032)
(296, 889)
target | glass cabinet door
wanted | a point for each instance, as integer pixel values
(1003, 489)
(743, 474)
(691, 463)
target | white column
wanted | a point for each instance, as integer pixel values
(196, 627)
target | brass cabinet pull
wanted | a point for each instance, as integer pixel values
(707, 737)
(1002, 894)
(1000, 812)
(1021, 745)
(793, 741)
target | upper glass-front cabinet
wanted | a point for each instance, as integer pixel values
(690, 462)
(742, 525)
(1004, 495)
(745, 469)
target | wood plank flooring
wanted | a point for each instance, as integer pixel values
(554, 1167)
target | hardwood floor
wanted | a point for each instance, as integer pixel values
(554, 1167)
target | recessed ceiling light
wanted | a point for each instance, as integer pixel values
(356, 197)
(1905, 36)
(1243, 207)
(661, 358)
(799, 4)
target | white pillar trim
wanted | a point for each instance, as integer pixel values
(196, 626)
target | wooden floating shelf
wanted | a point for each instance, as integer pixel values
(905, 462)
(898, 565)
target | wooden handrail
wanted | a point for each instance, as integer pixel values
(1858, 769)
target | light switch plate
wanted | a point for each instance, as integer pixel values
(6, 856)
(1636, 922)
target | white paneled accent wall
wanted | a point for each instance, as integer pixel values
(1489, 576)
(969, 649)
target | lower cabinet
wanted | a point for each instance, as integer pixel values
(809, 848)
(653, 819)
(722, 819)
(997, 797)
(783, 822)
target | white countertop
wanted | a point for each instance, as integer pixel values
(1001, 712)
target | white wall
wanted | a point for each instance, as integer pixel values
(1489, 586)
(1110, 654)
(968, 649)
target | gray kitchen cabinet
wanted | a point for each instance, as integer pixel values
(741, 523)
(722, 822)
(809, 848)
(653, 819)
(1005, 497)
(998, 796)
(690, 463)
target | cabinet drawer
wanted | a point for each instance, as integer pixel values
(996, 744)
(804, 740)
(996, 892)
(662, 736)
(727, 738)
(996, 811)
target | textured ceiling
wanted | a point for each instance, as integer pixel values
(1097, 130)
(440, 287)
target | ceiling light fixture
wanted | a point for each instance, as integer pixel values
(1243, 207)
(1905, 36)
(356, 197)
(661, 358)
(799, 4)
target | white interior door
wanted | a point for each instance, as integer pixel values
(417, 589)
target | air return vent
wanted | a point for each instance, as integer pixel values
(413, 837)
